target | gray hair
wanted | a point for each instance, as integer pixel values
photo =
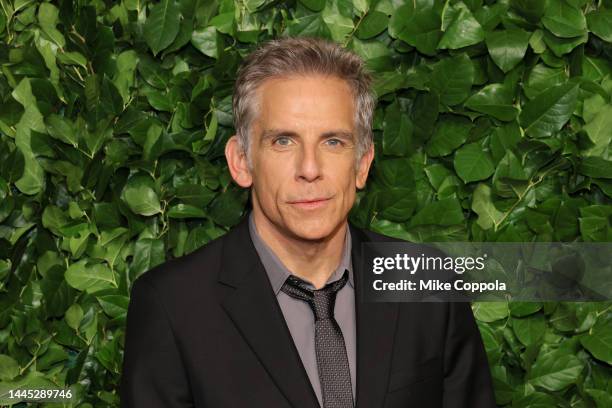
(302, 56)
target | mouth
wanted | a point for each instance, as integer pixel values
(309, 204)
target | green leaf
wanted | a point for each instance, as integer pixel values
(532, 10)
(72, 58)
(488, 215)
(536, 41)
(395, 173)
(418, 24)
(522, 309)
(5, 267)
(464, 30)
(386, 82)
(472, 163)
(314, 5)
(598, 129)
(160, 101)
(452, 78)
(338, 19)
(140, 196)
(61, 129)
(444, 212)
(563, 19)
(374, 23)
(2, 22)
(494, 100)
(397, 132)
(83, 275)
(227, 208)
(529, 330)
(195, 194)
(311, 25)
(185, 211)
(594, 166)
(450, 133)
(162, 25)
(32, 181)
(599, 340)
(542, 77)
(113, 305)
(491, 342)
(425, 113)
(534, 399)
(48, 19)
(600, 23)
(490, 311)
(223, 22)
(57, 294)
(9, 368)
(510, 176)
(127, 62)
(74, 315)
(555, 370)
(153, 73)
(507, 47)
(562, 46)
(602, 398)
(47, 50)
(396, 204)
(393, 191)
(205, 40)
(443, 180)
(376, 55)
(549, 111)
(148, 253)
(362, 6)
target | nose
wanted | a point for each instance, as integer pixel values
(308, 163)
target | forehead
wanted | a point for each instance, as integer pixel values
(305, 100)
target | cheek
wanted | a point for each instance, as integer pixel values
(349, 198)
(268, 184)
(345, 180)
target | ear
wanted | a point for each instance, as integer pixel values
(237, 163)
(364, 167)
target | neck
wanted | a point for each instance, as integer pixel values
(311, 260)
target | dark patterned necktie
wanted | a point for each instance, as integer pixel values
(332, 361)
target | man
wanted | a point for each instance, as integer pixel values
(269, 314)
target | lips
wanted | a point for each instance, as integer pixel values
(310, 203)
(312, 200)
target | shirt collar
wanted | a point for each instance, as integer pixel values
(278, 272)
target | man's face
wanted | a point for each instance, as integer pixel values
(303, 154)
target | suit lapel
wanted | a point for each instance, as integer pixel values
(376, 324)
(255, 311)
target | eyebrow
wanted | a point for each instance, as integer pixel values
(270, 133)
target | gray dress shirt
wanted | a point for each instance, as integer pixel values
(299, 316)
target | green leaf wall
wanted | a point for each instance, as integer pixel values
(494, 123)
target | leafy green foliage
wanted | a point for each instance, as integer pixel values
(494, 123)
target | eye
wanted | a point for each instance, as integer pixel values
(334, 142)
(282, 140)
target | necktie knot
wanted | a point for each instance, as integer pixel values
(321, 301)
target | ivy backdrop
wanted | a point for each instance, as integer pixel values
(494, 123)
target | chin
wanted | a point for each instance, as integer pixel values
(312, 229)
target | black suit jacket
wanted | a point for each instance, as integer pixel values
(205, 330)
